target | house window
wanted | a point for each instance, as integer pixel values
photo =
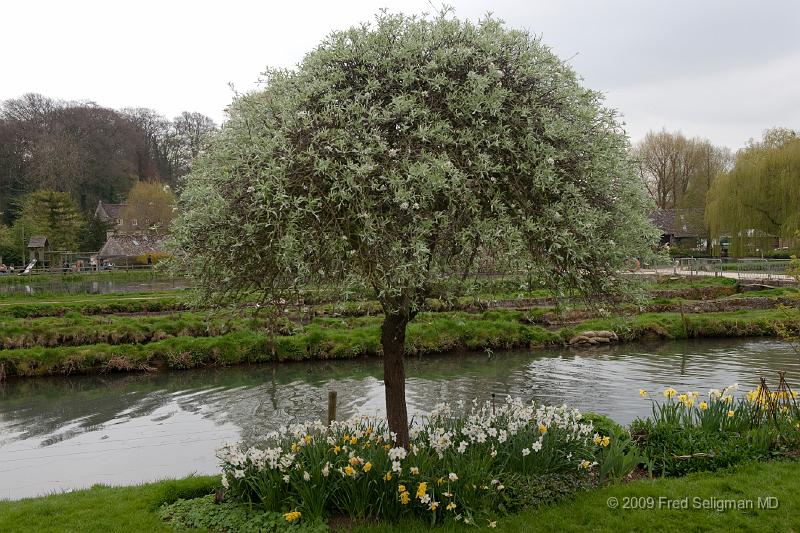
(133, 222)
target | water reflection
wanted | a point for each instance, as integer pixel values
(58, 286)
(63, 433)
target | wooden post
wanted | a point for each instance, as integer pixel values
(492, 404)
(331, 406)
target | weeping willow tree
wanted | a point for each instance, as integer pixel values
(758, 200)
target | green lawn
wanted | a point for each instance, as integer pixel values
(101, 509)
(135, 508)
(589, 511)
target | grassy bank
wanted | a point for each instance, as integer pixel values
(79, 330)
(342, 338)
(88, 304)
(101, 509)
(136, 508)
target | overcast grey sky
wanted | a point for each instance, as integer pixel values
(721, 69)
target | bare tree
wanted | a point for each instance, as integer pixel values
(191, 131)
(660, 158)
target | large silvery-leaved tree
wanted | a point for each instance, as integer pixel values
(399, 153)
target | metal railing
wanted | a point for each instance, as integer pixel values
(85, 269)
(762, 269)
(765, 269)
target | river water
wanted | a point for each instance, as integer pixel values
(72, 432)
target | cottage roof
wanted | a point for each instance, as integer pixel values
(107, 212)
(679, 222)
(37, 241)
(131, 245)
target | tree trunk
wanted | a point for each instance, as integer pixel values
(393, 339)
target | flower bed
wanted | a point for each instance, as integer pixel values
(690, 432)
(490, 461)
(456, 468)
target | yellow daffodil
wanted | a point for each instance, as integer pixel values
(349, 470)
(703, 406)
(388, 476)
(405, 498)
(606, 440)
(421, 489)
(642, 393)
(730, 414)
(337, 449)
(542, 429)
(292, 516)
(308, 439)
(669, 392)
(401, 488)
(450, 506)
(353, 441)
(295, 447)
(367, 467)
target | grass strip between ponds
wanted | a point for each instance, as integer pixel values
(80, 330)
(93, 305)
(348, 338)
(137, 508)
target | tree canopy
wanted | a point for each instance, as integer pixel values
(149, 207)
(400, 153)
(679, 171)
(760, 195)
(52, 214)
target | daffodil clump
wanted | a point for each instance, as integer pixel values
(456, 468)
(690, 431)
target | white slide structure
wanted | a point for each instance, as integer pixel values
(29, 267)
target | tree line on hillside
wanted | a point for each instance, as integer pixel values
(91, 152)
(752, 193)
(58, 159)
